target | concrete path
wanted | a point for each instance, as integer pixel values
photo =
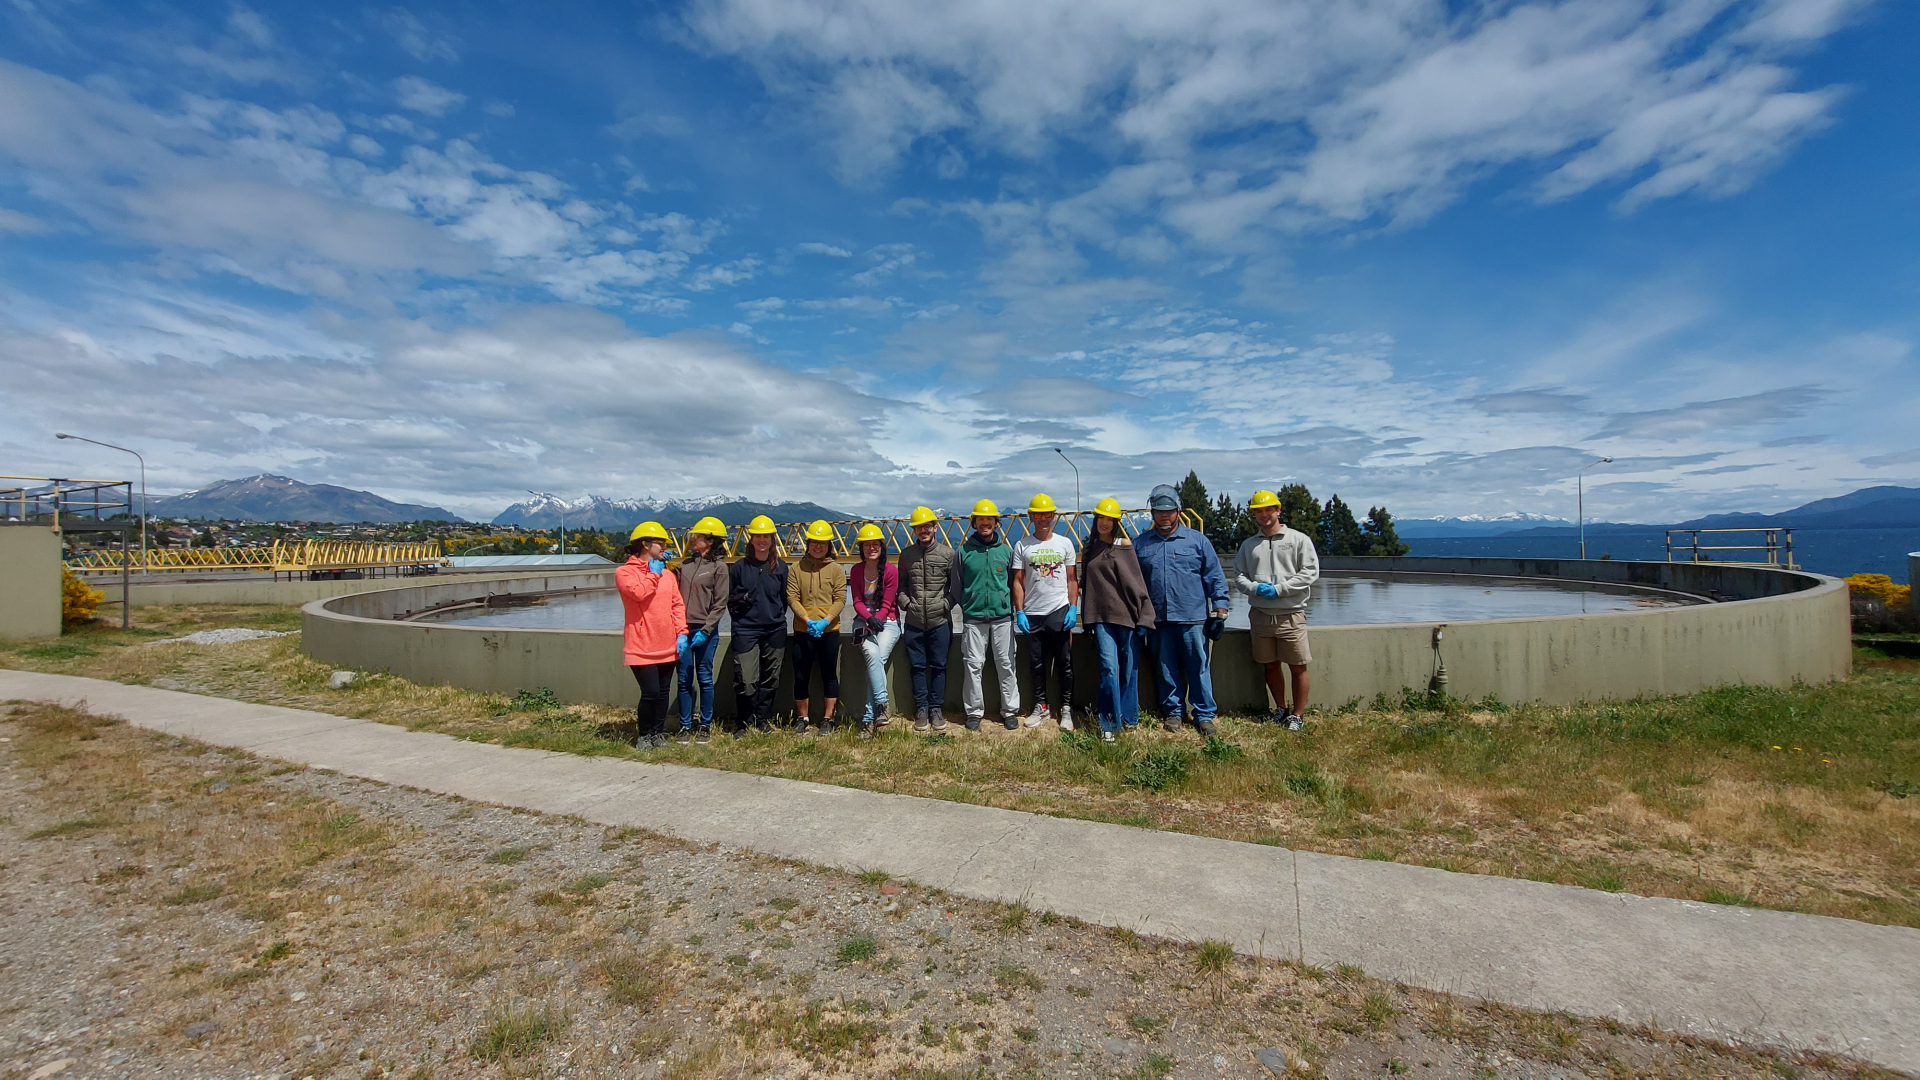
(1799, 981)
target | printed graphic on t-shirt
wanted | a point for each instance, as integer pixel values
(1045, 563)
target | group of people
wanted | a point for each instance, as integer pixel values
(1165, 591)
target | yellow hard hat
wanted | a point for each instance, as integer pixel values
(760, 526)
(1108, 508)
(1041, 504)
(986, 508)
(870, 531)
(820, 530)
(921, 515)
(710, 526)
(650, 530)
(1263, 499)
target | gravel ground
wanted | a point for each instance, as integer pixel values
(179, 911)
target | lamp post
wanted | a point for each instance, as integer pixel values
(563, 515)
(1581, 477)
(1076, 479)
(143, 487)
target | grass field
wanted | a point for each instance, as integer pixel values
(1797, 799)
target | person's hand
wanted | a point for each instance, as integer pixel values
(1220, 613)
(1072, 618)
(656, 566)
(816, 627)
(680, 646)
(1140, 632)
(1267, 590)
(700, 638)
(1020, 621)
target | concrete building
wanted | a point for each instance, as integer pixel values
(29, 582)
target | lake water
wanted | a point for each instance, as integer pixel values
(1337, 600)
(1838, 552)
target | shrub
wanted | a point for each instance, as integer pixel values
(78, 600)
(1160, 770)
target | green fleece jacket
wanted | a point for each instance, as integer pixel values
(986, 580)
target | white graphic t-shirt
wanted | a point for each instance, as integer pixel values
(1046, 562)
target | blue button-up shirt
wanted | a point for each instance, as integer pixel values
(1183, 575)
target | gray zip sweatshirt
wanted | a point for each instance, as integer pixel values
(1287, 559)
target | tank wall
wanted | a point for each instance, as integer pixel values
(1794, 628)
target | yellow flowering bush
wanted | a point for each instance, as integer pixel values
(78, 600)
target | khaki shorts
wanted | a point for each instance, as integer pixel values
(1279, 636)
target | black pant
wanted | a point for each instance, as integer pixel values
(656, 682)
(810, 652)
(927, 650)
(756, 675)
(1051, 645)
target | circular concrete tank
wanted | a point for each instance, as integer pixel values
(1693, 626)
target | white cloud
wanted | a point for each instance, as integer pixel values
(412, 35)
(829, 250)
(428, 99)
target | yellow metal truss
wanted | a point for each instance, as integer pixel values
(792, 542)
(283, 556)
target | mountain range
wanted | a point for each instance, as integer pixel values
(278, 498)
(1883, 507)
(619, 515)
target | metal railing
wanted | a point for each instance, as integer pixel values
(283, 557)
(83, 512)
(1776, 547)
(791, 541)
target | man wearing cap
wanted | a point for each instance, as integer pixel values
(929, 574)
(986, 608)
(757, 600)
(1276, 568)
(1189, 594)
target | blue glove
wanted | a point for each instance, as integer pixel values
(1140, 632)
(656, 566)
(680, 646)
(1020, 621)
(1267, 590)
(816, 627)
(700, 638)
(1073, 618)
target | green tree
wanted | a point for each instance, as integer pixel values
(1193, 496)
(1228, 524)
(1381, 539)
(1339, 533)
(1300, 510)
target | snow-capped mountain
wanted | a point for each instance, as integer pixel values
(591, 511)
(1475, 524)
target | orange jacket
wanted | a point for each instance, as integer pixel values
(656, 615)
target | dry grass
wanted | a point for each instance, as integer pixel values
(1789, 799)
(418, 956)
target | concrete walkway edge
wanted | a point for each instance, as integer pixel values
(1740, 974)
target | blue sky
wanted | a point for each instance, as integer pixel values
(1432, 255)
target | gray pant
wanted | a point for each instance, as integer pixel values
(976, 636)
(756, 675)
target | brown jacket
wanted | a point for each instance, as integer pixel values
(816, 589)
(704, 585)
(1111, 588)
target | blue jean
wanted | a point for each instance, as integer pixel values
(927, 650)
(697, 665)
(876, 651)
(1180, 664)
(1119, 650)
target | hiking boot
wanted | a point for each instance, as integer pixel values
(883, 715)
(1107, 737)
(973, 723)
(1205, 727)
(1038, 716)
(866, 731)
(1295, 722)
(1173, 724)
(1012, 722)
(939, 721)
(920, 721)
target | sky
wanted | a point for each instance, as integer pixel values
(1429, 254)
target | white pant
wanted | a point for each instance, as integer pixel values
(975, 638)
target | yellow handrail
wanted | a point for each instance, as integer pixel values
(282, 556)
(792, 542)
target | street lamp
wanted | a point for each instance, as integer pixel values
(1076, 479)
(143, 487)
(1581, 476)
(563, 514)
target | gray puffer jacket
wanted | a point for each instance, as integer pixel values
(929, 584)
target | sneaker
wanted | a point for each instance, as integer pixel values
(1205, 727)
(685, 738)
(939, 721)
(1279, 716)
(1066, 719)
(973, 723)
(866, 731)
(1038, 716)
(1012, 722)
(1130, 728)
(1295, 722)
(920, 721)
(1106, 737)
(703, 737)
(885, 715)
(826, 727)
